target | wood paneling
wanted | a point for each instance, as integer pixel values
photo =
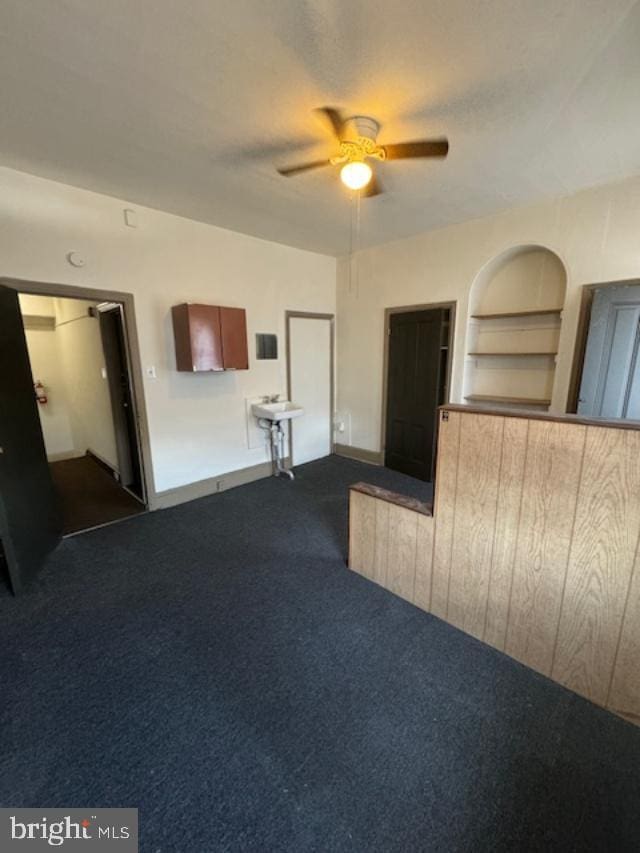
(444, 509)
(381, 544)
(403, 535)
(601, 562)
(362, 533)
(514, 445)
(534, 547)
(550, 489)
(424, 562)
(624, 694)
(479, 454)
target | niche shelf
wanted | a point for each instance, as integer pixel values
(532, 313)
(514, 329)
(514, 354)
(514, 401)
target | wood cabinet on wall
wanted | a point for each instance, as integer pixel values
(210, 338)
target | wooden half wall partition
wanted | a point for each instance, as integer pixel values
(533, 546)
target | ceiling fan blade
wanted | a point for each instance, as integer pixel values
(419, 148)
(373, 188)
(303, 167)
(333, 117)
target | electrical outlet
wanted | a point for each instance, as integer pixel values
(151, 372)
(342, 427)
(220, 485)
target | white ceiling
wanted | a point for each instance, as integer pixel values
(189, 105)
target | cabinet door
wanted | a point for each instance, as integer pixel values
(235, 354)
(203, 345)
(204, 335)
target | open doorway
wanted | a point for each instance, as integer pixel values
(82, 384)
(605, 381)
(417, 376)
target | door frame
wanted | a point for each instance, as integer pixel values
(104, 309)
(582, 333)
(407, 309)
(310, 315)
(126, 300)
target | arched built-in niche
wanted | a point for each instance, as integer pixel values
(515, 312)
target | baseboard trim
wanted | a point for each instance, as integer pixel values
(373, 457)
(102, 462)
(65, 454)
(213, 485)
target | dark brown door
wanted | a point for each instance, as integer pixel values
(416, 386)
(124, 421)
(30, 517)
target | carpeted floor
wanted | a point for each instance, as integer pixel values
(89, 494)
(217, 666)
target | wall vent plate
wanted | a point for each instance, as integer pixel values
(266, 346)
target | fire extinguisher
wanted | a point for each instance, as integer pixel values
(41, 394)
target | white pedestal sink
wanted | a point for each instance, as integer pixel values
(275, 414)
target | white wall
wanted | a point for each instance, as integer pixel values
(197, 422)
(595, 234)
(46, 367)
(79, 347)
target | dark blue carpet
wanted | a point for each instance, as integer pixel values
(217, 666)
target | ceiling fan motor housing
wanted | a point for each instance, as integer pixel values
(362, 126)
(359, 140)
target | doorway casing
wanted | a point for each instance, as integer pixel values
(587, 292)
(405, 309)
(126, 300)
(307, 315)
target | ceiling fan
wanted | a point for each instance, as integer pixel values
(357, 138)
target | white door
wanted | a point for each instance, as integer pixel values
(611, 375)
(310, 370)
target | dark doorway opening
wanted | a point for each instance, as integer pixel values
(417, 383)
(80, 369)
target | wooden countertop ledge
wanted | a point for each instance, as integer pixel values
(531, 415)
(423, 507)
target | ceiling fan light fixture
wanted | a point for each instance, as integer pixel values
(356, 174)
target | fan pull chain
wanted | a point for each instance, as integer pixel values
(354, 244)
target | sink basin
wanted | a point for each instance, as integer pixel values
(281, 411)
